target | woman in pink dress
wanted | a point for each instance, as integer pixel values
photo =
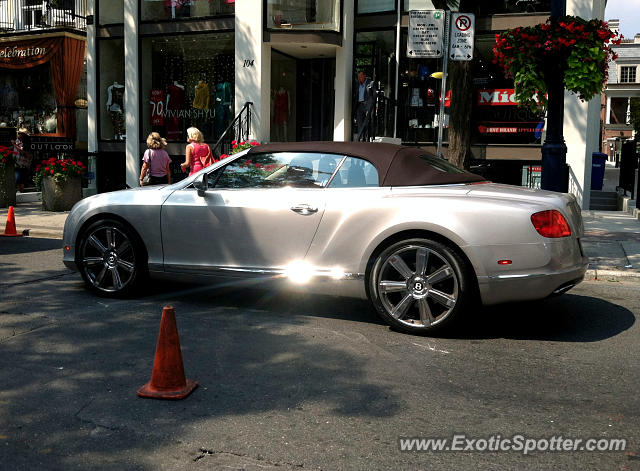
(196, 151)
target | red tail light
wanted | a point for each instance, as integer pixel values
(551, 224)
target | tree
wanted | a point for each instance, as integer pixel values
(461, 86)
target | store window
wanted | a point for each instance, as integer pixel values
(628, 74)
(112, 90)
(27, 99)
(375, 6)
(419, 98)
(419, 5)
(491, 7)
(191, 83)
(375, 56)
(496, 117)
(153, 10)
(304, 14)
(110, 12)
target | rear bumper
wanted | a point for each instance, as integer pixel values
(513, 287)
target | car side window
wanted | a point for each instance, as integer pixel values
(355, 173)
(272, 170)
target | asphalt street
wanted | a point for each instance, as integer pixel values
(303, 382)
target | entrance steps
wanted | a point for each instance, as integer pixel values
(604, 200)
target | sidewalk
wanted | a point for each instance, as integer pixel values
(611, 241)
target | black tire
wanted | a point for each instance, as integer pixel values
(111, 258)
(419, 286)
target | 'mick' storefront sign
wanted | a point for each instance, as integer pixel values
(497, 97)
(500, 120)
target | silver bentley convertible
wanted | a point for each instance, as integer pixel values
(421, 239)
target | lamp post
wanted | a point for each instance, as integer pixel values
(554, 150)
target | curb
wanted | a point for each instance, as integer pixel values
(607, 274)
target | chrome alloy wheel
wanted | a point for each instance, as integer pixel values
(108, 258)
(417, 286)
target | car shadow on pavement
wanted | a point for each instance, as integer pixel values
(566, 318)
(245, 294)
(18, 245)
(75, 369)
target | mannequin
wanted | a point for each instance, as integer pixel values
(115, 107)
(281, 111)
(175, 102)
(201, 99)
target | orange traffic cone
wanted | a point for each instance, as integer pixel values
(167, 379)
(10, 228)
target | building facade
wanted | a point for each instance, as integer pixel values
(170, 64)
(623, 84)
(43, 74)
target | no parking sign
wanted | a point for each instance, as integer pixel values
(462, 32)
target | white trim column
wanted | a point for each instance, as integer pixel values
(582, 120)
(253, 67)
(132, 92)
(344, 76)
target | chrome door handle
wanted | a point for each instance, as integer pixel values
(304, 209)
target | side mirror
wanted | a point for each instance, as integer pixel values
(202, 186)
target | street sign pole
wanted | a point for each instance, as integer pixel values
(443, 86)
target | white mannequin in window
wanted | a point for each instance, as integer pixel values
(115, 107)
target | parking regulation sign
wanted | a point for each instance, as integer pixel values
(462, 32)
(426, 33)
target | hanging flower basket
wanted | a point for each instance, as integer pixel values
(61, 183)
(7, 177)
(534, 56)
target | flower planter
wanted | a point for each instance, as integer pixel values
(61, 195)
(7, 186)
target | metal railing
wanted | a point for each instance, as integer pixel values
(239, 130)
(29, 15)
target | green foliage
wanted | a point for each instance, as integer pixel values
(572, 47)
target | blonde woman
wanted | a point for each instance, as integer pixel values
(156, 161)
(197, 153)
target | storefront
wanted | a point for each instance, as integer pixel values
(409, 88)
(40, 94)
(198, 63)
(185, 77)
(39, 79)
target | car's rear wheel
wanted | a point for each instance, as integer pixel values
(419, 285)
(110, 258)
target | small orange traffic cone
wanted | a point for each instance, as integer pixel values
(10, 228)
(167, 379)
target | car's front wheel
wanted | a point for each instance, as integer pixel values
(110, 258)
(418, 285)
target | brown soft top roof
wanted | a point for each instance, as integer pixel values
(396, 165)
